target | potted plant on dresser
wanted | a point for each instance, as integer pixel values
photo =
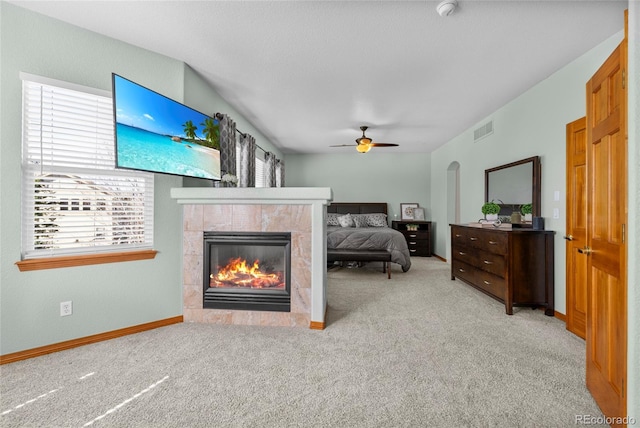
(526, 211)
(491, 211)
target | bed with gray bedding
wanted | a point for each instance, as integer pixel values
(363, 227)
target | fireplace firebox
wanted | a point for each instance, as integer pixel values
(247, 271)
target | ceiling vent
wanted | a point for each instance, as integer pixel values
(483, 131)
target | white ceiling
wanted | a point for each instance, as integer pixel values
(307, 74)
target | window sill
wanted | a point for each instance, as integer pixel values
(84, 260)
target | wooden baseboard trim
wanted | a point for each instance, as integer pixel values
(560, 316)
(69, 344)
(438, 257)
(316, 325)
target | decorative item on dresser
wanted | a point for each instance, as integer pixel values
(417, 234)
(514, 266)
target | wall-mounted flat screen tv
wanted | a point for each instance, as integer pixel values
(157, 134)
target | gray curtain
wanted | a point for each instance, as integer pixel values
(279, 173)
(227, 145)
(247, 173)
(270, 169)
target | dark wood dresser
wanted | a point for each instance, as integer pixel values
(515, 266)
(418, 241)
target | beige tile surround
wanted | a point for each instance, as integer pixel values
(247, 218)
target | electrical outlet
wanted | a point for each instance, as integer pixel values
(66, 308)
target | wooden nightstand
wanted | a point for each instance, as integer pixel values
(418, 241)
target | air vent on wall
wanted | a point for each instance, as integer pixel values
(483, 131)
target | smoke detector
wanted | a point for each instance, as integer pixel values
(446, 7)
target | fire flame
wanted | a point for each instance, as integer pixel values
(237, 273)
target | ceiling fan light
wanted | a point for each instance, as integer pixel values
(363, 147)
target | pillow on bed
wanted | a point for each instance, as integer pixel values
(345, 220)
(332, 219)
(360, 220)
(377, 220)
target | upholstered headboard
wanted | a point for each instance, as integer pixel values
(357, 207)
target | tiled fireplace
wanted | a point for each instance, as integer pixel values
(297, 212)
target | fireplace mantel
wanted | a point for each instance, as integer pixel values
(315, 197)
(253, 195)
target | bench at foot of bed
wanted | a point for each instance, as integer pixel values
(340, 255)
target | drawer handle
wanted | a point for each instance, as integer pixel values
(492, 242)
(461, 270)
(487, 262)
(461, 253)
(473, 239)
(412, 236)
(413, 251)
(457, 236)
(487, 282)
(412, 243)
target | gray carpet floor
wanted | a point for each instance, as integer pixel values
(418, 350)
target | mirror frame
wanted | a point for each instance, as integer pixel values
(535, 181)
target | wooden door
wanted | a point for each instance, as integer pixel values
(606, 249)
(576, 233)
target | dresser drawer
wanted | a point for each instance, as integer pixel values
(418, 242)
(493, 263)
(492, 284)
(419, 251)
(464, 271)
(476, 237)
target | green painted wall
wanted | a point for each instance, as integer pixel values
(534, 124)
(105, 297)
(200, 96)
(378, 176)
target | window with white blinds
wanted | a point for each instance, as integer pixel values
(74, 200)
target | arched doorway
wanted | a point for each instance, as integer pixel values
(453, 200)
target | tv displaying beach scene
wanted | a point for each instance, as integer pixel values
(157, 134)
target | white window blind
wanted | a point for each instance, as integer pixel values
(261, 180)
(74, 200)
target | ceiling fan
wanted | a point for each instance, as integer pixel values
(364, 143)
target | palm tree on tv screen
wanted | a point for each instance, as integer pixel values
(190, 129)
(211, 133)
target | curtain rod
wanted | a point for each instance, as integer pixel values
(219, 116)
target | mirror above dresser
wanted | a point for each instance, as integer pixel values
(513, 185)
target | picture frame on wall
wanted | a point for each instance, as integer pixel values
(406, 210)
(418, 214)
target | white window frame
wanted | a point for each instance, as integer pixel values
(110, 210)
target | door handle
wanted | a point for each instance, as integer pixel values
(585, 250)
(569, 237)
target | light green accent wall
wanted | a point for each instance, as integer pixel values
(377, 176)
(105, 297)
(534, 124)
(200, 96)
(633, 296)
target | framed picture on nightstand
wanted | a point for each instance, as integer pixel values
(406, 211)
(418, 214)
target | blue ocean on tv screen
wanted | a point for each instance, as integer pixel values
(145, 150)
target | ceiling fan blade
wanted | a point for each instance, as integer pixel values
(384, 145)
(344, 145)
